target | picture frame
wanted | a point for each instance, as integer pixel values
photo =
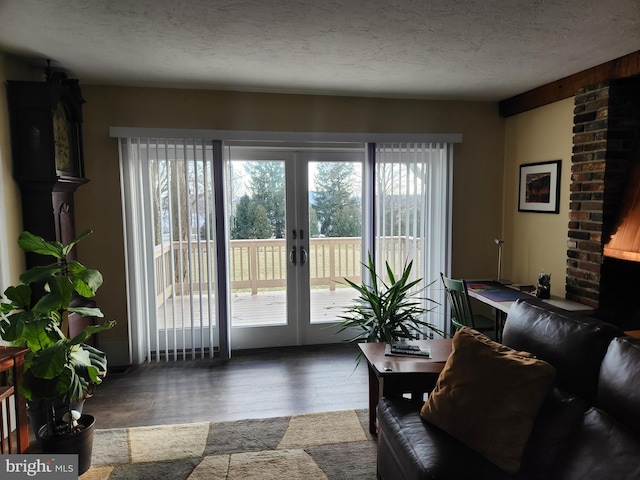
(540, 187)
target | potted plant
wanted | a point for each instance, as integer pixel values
(59, 371)
(387, 312)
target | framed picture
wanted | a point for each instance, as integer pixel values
(540, 187)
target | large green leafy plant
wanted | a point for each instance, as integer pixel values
(387, 311)
(57, 367)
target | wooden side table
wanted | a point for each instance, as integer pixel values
(11, 369)
(399, 375)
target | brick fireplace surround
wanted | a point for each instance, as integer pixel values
(606, 143)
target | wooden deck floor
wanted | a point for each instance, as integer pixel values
(265, 308)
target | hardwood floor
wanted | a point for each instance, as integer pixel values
(253, 384)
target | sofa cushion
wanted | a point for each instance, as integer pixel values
(559, 418)
(573, 343)
(619, 382)
(487, 396)
(601, 448)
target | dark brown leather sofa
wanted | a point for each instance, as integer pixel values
(587, 428)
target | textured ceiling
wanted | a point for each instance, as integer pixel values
(449, 49)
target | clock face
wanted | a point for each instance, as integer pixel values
(61, 137)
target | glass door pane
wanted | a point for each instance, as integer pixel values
(257, 246)
(260, 270)
(335, 226)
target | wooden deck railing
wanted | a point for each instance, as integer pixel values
(258, 264)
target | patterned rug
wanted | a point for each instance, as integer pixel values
(318, 446)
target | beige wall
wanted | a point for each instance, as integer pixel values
(537, 241)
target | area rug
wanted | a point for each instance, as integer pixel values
(317, 446)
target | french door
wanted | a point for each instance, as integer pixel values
(295, 234)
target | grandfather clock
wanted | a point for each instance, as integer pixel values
(48, 160)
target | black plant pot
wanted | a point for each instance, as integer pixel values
(37, 412)
(80, 443)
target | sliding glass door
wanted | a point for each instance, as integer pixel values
(413, 217)
(171, 248)
(248, 245)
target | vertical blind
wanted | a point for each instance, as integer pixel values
(172, 195)
(413, 215)
(168, 200)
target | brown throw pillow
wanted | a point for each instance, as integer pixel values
(487, 396)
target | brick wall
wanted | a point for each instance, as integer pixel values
(606, 125)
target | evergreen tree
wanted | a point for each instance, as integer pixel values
(267, 189)
(251, 220)
(335, 203)
(313, 222)
(347, 221)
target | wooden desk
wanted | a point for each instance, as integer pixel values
(501, 297)
(396, 375)
(11, 368)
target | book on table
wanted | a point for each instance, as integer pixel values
(408, 349)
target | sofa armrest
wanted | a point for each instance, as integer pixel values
(411, 449)
(619, 383)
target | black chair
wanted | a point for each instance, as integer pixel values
(461, 312)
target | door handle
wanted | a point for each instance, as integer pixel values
(292, 255)
(303, 256)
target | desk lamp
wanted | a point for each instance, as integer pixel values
(500, 242)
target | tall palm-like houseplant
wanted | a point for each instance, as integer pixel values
(58, 370)
(387, 311)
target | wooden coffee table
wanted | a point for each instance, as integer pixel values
(399, 375)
